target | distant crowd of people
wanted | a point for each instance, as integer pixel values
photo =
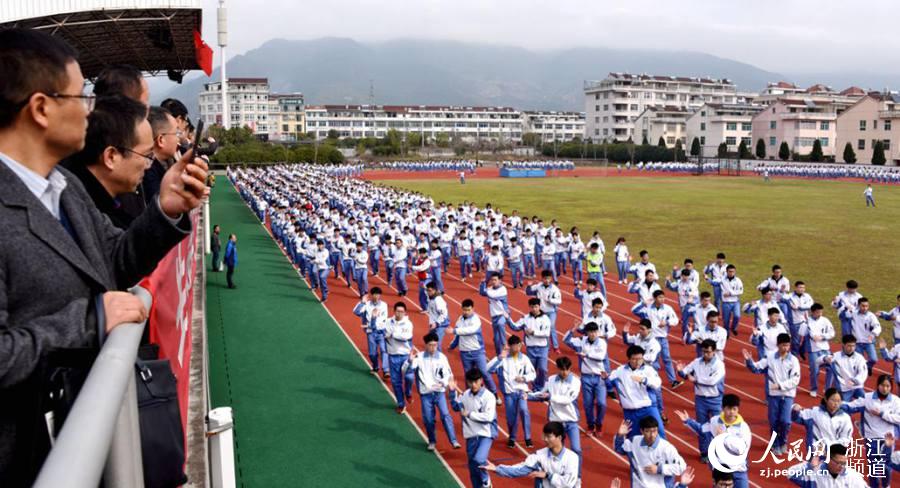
(548, 165)
(452, 165)
(873, 174)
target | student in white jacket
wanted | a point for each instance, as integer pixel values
(654, 461)
(478, 409)
(433, 375)
(561, 394)
(551, 467)
(514, 373)
(782, 370)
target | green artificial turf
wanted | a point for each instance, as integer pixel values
(819, 231)
(306, 410)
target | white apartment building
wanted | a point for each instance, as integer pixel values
(613, 104)
(870, 119)
(715, 123)
(471, 124)
(555, 126)
(248, 104)
(799, 123)
(818, 93)
(665, 122)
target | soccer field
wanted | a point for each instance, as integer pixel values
(819, 231)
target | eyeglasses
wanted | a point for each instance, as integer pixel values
(178, 133)
(88, 100)
(148, 157)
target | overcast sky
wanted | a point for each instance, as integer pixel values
(794, 36)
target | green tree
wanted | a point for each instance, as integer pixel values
(413, 140)
(661, 142)
(849, 154)
(723, 150)
(878, 153)
(333, 134)
(679, 151)
(645, 142)
(816, 155)
(784, 152)
(761, 149)
(743, 151)
(695, 147)
(531, 139)
(442, 139)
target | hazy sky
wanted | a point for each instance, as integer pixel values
(778, 35)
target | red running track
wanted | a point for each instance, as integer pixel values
(601, 463)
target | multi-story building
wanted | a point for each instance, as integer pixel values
(488, 124)
(665, 122)
(819, 93)
(248, 104)
(797, 122)
(715, 123)
(287, 117)
(870, 119)
(555, 126)
(613, 104)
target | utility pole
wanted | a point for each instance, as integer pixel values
(222, 14)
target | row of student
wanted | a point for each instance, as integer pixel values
(830, 171)
(452, 165)
(657, 311)
(548, 165)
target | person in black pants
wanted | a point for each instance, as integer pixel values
(216, 248)
(231, 259)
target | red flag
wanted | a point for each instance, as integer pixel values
(204, 54)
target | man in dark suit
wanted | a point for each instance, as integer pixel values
(61, 260)
(216, 247)
(118, 149)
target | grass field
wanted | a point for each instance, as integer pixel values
(818, 231)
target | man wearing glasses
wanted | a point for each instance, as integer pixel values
(117, 150)
(166, 137)
(61, 260)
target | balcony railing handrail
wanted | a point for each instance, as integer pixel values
(101, 435)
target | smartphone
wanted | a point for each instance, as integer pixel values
(201, 146)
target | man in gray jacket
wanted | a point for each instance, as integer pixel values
(61, 260)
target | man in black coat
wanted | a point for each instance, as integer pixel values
(61, 260)
(216, 247)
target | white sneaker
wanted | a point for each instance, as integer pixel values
(430, 447)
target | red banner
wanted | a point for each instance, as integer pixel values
(172, 287)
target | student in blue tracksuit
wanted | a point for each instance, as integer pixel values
(320, 261)
(398, 333)
(433, 375)
(374, 313)
(438, 314)
(537, 329)
(468, 338)
(634, 381)
(478, 410)
(731, 288)
(553, 466)
(551, 299)
(436, 257)
(399, 258)
(715, 273)
(708, 375)
(498, 306)
(591, 350)
(361, 268)
(782, 370)
(514, 373)
(561, 395)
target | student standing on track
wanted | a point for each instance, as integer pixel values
(498, 306)
(514, 257)
(592, 351)
(880, 416)
(551, 299)
(688, 295)
(438, 314)
(374, 314)
(561, 394)
(422, 269)
(595, 267)
(644, 338)
(551, 467)
(494, 263)
(588, 296)
(780, 286)
(662, 317)
(529, 244)
(514, 371)
(537, 339)
(729, 422)
(398, 333)
(849, 369)
(471, 343)
(819, 331)
(826, 424)
(845, 303)
(433, 375)
(654, 461)
(708, 375)
(478, 408)
(361, 268)
(731, 288)
(622, 259)
(765, 338)
(399, 257)
(320, 261)
(464, 255)
(782, 370)
(866, 328)
(436, 258)
(639, 269)
(715, 272)
(548, 258)
(634, 381)
(798, 305)
(711, 331)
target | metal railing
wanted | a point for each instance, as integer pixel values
(101, 436)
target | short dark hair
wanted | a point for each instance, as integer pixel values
(513, 340)
(648, 422)
(720, 255)
(773, 310)
(556, 429)
(783, 339)
(731, 400)
(563, 362)
(597, 301)
(816, 306)
(175, 107)
(646, 323)
(730, 266)
(708, 344)
(659, 293)
(158, 118)
(473, 375)
(722, 476)
(375, 291)
(837, 449)
(705, 294)
(399, 305)
(430, 285)
(31, 61)
(848, 338)
(534, 301)
(711, 314)
(852, 284)
(431, 337)
(468, 302)
(546, 273)
(591, 327)
(632, 350)
(591, 281)
(119, 79)
(112, 123)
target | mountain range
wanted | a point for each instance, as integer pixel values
(408, 71)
